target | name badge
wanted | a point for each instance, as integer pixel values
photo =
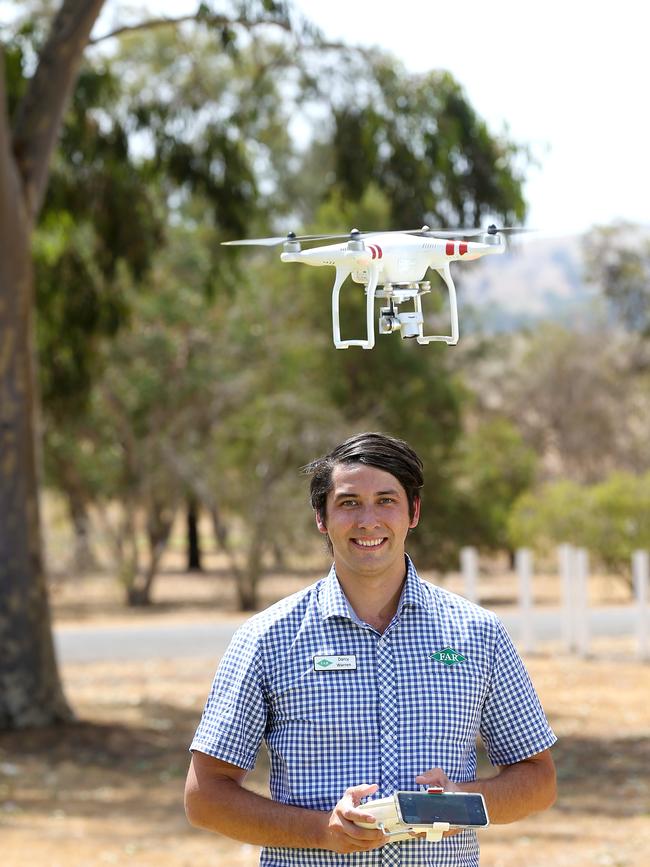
(335, 663)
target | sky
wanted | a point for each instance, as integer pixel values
(570, 80)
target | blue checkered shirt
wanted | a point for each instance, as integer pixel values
(400, 712)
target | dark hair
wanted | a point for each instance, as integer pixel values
(378, 450)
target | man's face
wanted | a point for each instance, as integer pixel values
(367, 521)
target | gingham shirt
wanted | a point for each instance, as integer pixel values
(398, 713)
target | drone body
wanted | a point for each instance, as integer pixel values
(392, 266)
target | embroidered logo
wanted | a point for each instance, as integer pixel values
(448, 656)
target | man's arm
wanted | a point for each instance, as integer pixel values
(515, 792)
(216, 800)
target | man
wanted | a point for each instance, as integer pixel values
(349, 684)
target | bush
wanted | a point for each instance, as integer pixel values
(611, 519)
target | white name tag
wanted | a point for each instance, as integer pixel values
(335, 663)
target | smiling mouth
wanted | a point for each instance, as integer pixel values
(369, 544)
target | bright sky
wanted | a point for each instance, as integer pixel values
(569, 79)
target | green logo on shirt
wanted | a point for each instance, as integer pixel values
(324, 662)
(448, 656)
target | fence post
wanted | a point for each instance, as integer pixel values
(640, 573)
(581, 599)
(469, 568)
(566, 564)
(524, 567)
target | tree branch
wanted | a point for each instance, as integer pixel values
(11, 202)
(40, 113)
(213, 20)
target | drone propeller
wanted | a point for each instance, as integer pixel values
(508, 230)
(472, 232)
(291, 236)
(355, 234)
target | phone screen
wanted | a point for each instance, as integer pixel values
(420, 808)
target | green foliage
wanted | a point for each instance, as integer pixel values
(611, 519)
(620, 508)
(418, 138)
(212, 122)
(552, 515)
(495, 467)
(85, 249)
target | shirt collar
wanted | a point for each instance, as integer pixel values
(414, 592)
(333, 601)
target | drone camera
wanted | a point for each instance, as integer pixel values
(408, 323)
(388, 321)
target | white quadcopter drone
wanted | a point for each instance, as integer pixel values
(392, 266)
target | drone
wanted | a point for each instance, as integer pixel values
(392, 266)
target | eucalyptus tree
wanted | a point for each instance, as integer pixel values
(419, 139)
(30, 692)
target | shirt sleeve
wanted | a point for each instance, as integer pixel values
(234, 717)
(513, 725)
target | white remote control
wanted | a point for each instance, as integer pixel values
(386, 818)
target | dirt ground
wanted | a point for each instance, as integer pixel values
(108, 790)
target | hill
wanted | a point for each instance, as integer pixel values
(538, 279)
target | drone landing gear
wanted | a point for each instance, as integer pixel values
(411, 323)
(341, 274)
(449, 339)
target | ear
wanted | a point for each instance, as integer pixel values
(416, 513)
(320, 524)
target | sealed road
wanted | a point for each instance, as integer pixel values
(210, 639)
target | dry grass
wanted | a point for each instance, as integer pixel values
(109, 789)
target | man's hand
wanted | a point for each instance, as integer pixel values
(343, 835)
(437, 777)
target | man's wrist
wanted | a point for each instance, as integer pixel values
(317, 829)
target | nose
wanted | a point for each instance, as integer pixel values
(367, 518)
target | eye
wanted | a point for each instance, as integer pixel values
(387, 500)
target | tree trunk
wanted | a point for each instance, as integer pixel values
(160, 521)
(83, 556)
(193, 538)
(247, 585)
(30, 688)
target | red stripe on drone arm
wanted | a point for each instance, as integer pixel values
(449, 248)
